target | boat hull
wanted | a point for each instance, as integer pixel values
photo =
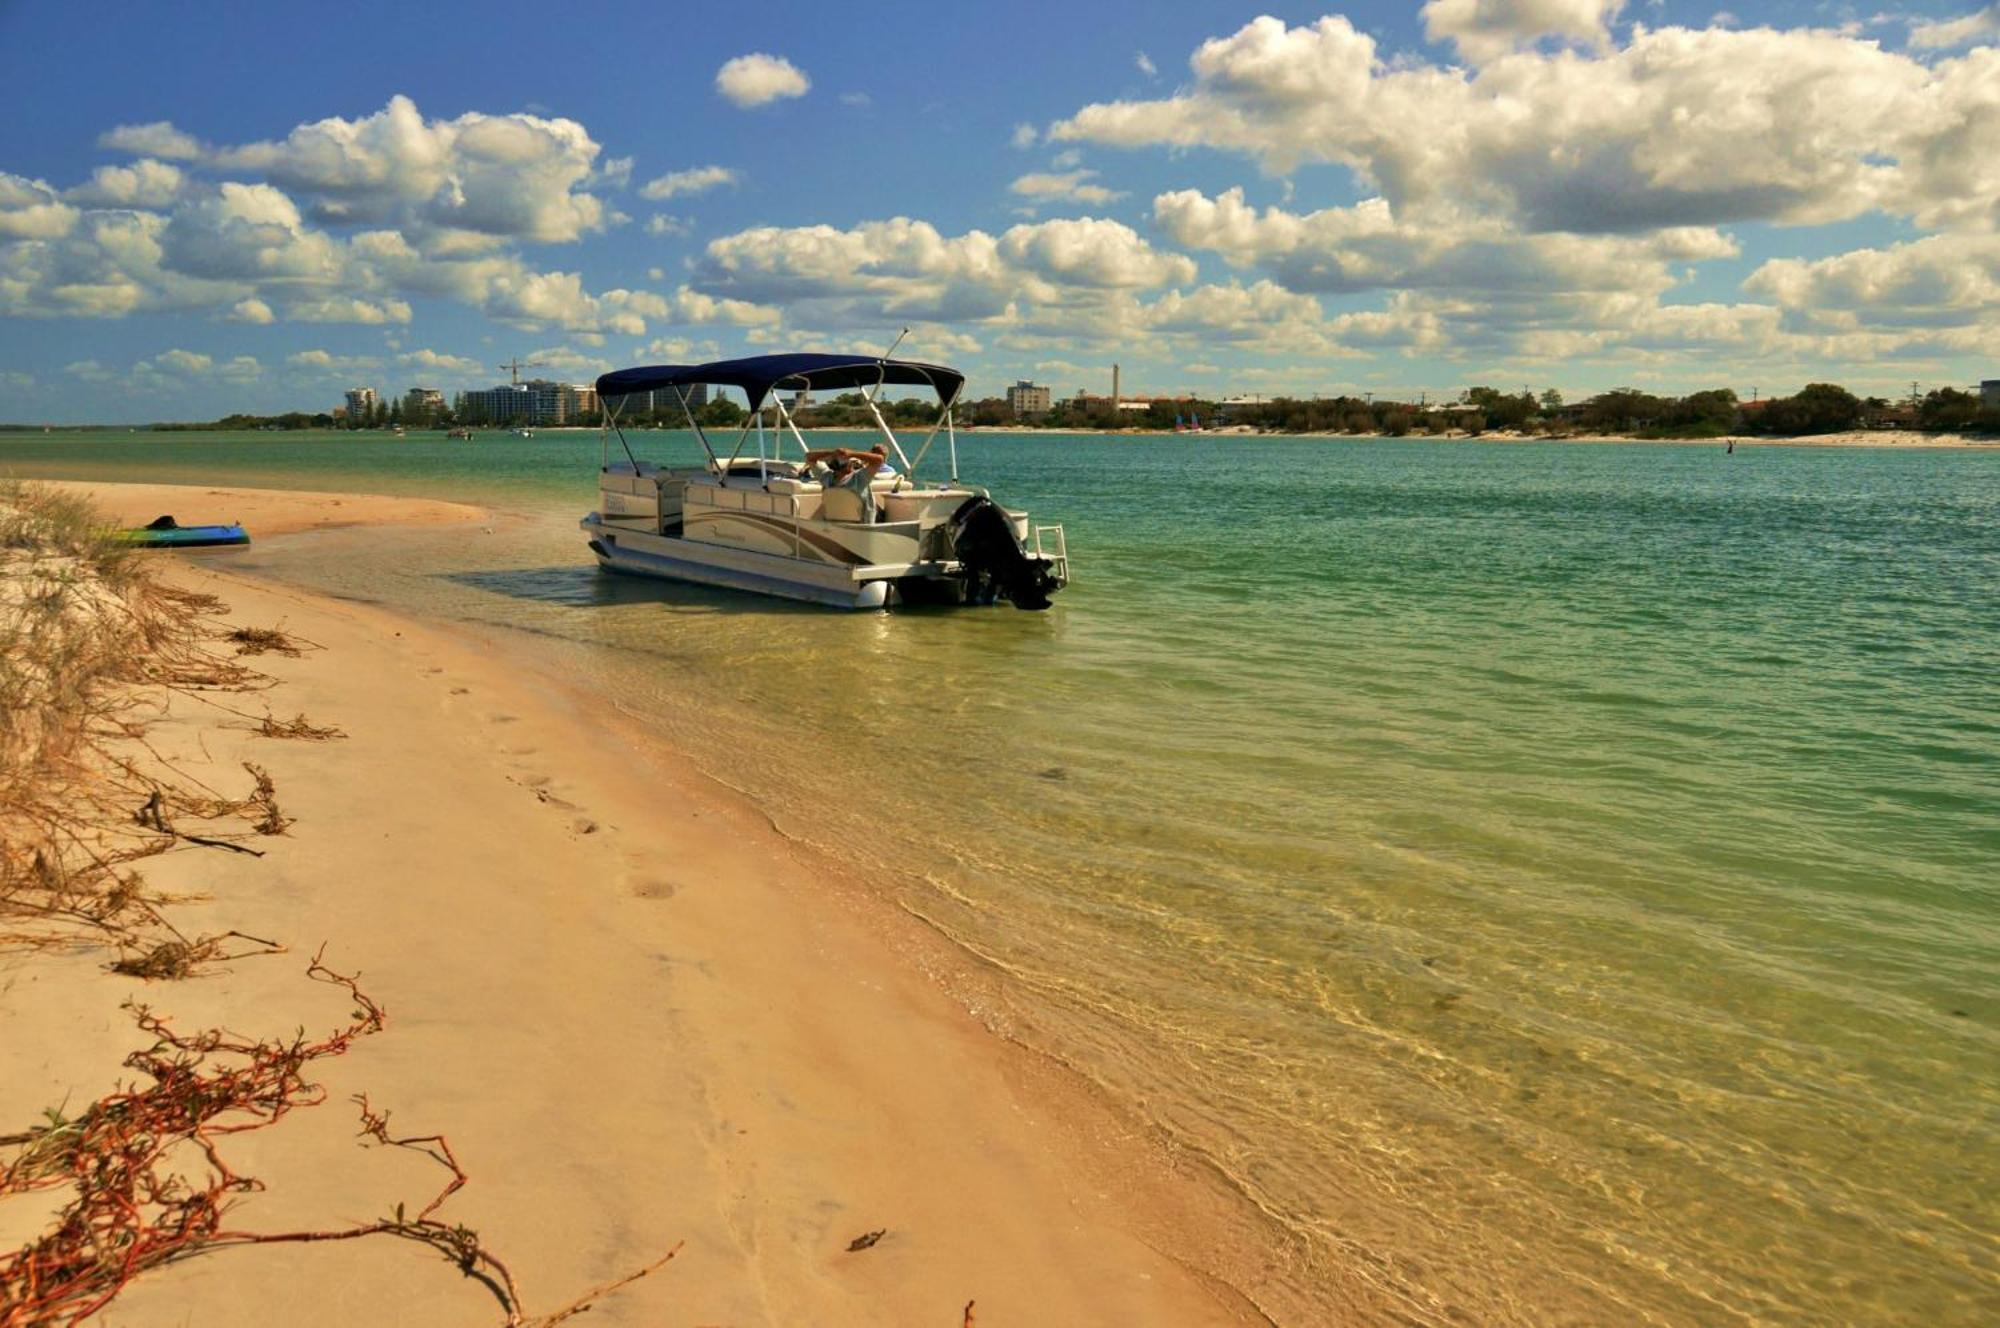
(643, 553)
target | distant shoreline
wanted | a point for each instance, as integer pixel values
(1849, 439)
(1895, 439)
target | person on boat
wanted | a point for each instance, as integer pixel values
(845, 468)
(875, 457)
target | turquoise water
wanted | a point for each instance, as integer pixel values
(1546, 883)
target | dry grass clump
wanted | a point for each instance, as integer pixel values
(268, 641)
(67, 626)
(88, 640)
(175, 959)
(263, 801)
(299, 727)
(168, 959)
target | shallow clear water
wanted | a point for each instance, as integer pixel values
(1550, 883)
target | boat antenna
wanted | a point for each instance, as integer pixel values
(885, 355)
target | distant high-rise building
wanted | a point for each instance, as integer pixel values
(422, 405)
(535, 402)
(1989, 393)
(361, 402)
(664, 402)
(1026, 399)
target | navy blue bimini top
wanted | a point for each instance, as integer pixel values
(758, 374)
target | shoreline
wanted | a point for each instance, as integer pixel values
(1884, 439)
(761, 1056)
(1906, 441)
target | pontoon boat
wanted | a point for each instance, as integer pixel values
(764, 523)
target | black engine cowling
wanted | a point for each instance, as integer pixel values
(983, 540)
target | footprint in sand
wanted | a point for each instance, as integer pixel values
(461, 691)
(539, 786)
(583, 825)
(655, 890)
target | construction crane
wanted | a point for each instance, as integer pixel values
(515, 365)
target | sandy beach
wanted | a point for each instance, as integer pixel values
(642, 1017)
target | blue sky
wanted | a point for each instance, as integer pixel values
(206, 208)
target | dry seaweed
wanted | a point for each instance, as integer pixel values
(133, 1208)
(269, 641)
(299, 727)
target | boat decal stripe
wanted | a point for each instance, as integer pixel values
(835, 550)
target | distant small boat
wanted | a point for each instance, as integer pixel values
(524, 432)
(461, 434)
(166, 533)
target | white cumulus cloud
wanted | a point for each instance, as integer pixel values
(1937, 282)
(1946, 33)
(698, 180)
(1064, 187)
(184, 361)
(349, 309)
(158, 139)
(32, 210)
(758, 79)
(1649, 134)
(1487, 29)
(1088, 251)
(145, 183)
(461, 365)
(516, 176)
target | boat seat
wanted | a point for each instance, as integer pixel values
(838, 504)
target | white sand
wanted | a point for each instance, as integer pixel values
(639, 1017)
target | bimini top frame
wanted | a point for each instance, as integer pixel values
(760, 375)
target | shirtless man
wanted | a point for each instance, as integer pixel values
(849, 469)
(874, 458)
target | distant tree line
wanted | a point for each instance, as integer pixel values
(1814, 409)
(294, 419)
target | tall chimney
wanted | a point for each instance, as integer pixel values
(1114, 391)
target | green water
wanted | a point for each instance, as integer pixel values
(1547, 884)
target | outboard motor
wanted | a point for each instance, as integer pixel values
(983, 540)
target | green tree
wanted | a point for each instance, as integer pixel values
(1621, 410)
(1818, 408)
(721, 413)
(1947, 408)
(985, 412)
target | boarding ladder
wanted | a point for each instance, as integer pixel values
(1052, 548)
